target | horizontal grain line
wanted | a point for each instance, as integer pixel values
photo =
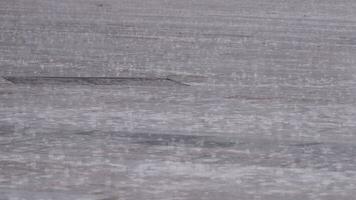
(58, 80)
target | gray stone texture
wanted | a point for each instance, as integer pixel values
(177, 99)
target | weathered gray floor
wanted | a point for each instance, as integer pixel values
(204, 99)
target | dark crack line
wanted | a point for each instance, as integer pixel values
(307, 144)
(177, 82)
(45, 80)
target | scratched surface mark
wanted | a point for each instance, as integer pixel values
(177, 100)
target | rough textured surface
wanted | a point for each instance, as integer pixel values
(168, 99)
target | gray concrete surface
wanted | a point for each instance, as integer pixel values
(181, 100)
